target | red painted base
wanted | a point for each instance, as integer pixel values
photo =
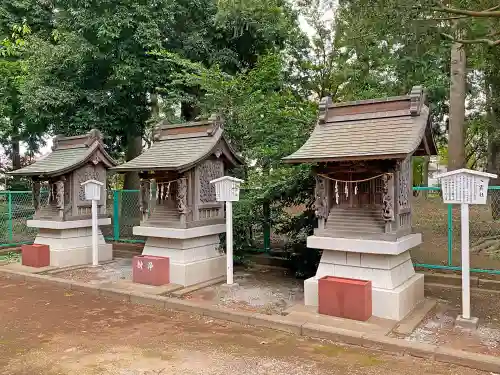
(151, 270)
(35, 255)
(345, 298)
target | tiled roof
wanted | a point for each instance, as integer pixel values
(179, 147)
(381, 128)
(68, 154)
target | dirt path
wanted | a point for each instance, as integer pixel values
(48, 331)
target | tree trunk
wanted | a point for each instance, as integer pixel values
(189, 111)
(492, 90)
(134, 149)
(16, 154)
(456, 143)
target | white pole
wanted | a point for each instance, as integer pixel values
(464, 214)
(229, 242)
(95, 245)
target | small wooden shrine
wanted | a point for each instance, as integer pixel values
(73, 160)
(362, 155)
(362, 151)
(63, 209)
(176, 194)
(182, 161)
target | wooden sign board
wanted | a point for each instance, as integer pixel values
(465, 186)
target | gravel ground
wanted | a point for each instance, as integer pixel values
(264, 290)
(48, 331)
(438, 327)
(119, 269)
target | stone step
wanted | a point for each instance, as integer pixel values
(359, 229)
(350, 219)
(163, 223)
(349, 234)
(355, 227)
(355, 214)
(355, 209)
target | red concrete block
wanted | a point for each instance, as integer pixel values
(35, 255)
(151, 270)
(345, 298)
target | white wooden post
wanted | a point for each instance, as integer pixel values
(464, 222)
(93, 193)
(465, 187)
(229, 241)
(227, 189)
(95, 244)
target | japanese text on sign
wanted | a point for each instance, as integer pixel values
(464, 188)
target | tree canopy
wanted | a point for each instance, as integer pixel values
(122, 65)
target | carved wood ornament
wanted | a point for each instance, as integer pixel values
(208, 171)
(182, 196)
(60, 194)
(404, 183)
(145, 196)
(320, 203)
(84, 174)
(387, 198)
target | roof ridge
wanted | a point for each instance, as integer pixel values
(76, 141)
(214, 122)
(416, 99)
(369, 101)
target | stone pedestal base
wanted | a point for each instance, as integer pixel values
(70, 242)
(194, 253)
(388, 304)
(470, 324)
(396, 289)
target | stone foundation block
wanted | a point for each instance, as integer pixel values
(151, 270)
(396, 303)
(193, 260)
(72, 246)
(188, 274)
(35, 255)
(392, 304)
(345, 298)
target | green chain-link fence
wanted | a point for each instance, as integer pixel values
(16, 207)
(439, 224)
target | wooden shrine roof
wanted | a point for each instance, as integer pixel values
(69, 153)
(388, 128)
(179, 147)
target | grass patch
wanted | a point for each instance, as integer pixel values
(11, 257)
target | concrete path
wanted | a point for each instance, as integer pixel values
(48, 331)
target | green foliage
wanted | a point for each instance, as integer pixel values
(266, 121)
(97, 71)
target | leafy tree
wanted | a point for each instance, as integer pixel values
(266, 120)
(14, 128)
(112, 64)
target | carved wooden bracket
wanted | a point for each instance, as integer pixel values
(182, 187)
(145, 196)
(320, 201)
(388, 197)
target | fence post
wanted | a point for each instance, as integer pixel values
(450, 234)
(116, 216)
(10, 226)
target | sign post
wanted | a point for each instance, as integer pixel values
(465, 187)
(93, 193)
(227, 189)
